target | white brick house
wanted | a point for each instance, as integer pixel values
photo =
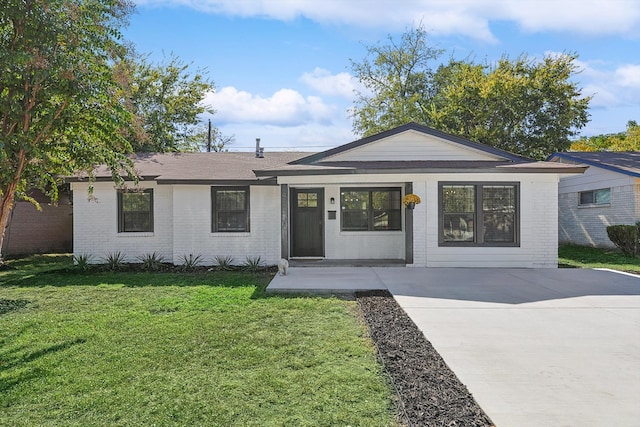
(481, 207)
(608, 193)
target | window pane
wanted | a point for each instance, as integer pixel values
(230, 200)
(458, 198)
(458, 227)
(499, 207)
(231, 221)
(603, 196)
(381, 199)
(355, 200)
(387, 220)
(354, 220)
(586, 198)
(136, 202)
(135, 211)
(231, 210)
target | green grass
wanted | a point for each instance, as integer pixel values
(587, 257)
(105, 348)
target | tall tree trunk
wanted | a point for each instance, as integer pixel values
(6, 203)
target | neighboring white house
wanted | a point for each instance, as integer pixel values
(481, 207)
(608, 193)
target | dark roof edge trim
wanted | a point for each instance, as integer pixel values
(499, 169)
(268, 181)
(568, 156)
(410, 126)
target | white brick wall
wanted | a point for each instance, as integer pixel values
(182, 219)
(538, 226)
(95, 223)
(192, 226)
(587, 225)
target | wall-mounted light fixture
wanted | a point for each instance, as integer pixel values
(332, 200)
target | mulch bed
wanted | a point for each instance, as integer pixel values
(430, 393)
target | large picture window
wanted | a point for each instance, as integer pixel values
(479, 214)
(371, 209)
(135, 211)
(230, 209)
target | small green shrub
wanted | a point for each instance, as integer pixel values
(151, 261)
(115, 261)
(224, 263)
(190, 262)
(82, 261)
(252, 264)
(625, 237)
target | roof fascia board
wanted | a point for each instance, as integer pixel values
(415, 127)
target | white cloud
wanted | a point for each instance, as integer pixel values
(286, 107)
(442, 17)
(610, 87)
(321, 80)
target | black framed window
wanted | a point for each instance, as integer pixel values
(230, 209)
(595, 197)
(135, 211)
(479, 214)
(371, 209)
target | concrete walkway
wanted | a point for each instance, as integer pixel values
(535, 347)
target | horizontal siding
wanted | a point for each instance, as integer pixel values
(594, 178)
(411, 145)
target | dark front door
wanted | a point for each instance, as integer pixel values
(307, 222)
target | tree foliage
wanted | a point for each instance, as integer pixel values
(59, 106)
(623, 141)
(398, 78)
(166, 100)
(525, 106)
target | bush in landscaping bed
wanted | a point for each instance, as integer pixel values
(625, 237)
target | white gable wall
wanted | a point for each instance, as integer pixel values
(412, 145)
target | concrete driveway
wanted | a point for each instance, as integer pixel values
(535, 347)
(540, 347)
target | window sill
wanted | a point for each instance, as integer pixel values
(373, 233)
(595, 205)
(136, 234)
(231, 234)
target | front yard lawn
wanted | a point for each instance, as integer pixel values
(587, 257)
(103, 348)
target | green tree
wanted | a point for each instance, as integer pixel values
(623, 141)
(529, 107)
(397, 78)
(59, 108)
(166, 100)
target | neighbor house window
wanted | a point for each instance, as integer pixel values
(478, 214)
(596, 197)
(371, 209)
(230, 209)
(135, 211)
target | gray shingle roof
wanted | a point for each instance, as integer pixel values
(624, 162)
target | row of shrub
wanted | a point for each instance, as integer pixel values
(625, 237)
(154, 261)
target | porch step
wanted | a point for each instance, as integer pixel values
(321, 262)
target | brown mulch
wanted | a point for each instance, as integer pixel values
(429, 391)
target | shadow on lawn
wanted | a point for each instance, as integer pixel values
(15, 363)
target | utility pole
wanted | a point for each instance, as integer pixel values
(209, 138)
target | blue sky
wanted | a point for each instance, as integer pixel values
(282, 67)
